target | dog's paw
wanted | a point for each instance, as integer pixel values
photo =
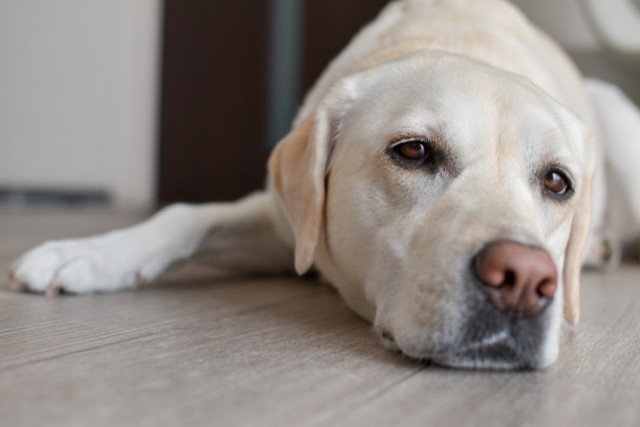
(78, 266)
(604, 251)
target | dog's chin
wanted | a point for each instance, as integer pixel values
(498, 353)
(490, 341)
(497, 356)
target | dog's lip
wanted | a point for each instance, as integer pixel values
(480, 359)
(498, 338)
(495, 352)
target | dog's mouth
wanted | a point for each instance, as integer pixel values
(502, 354)
(493, 343)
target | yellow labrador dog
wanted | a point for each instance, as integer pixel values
(441, 175)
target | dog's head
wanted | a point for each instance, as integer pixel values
(447, 201)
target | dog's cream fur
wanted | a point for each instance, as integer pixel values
(498, 101)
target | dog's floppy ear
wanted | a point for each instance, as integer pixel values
(297, 169)
(578, 239)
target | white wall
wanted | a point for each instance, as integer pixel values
(78, 92)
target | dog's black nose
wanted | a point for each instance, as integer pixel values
(520, 280)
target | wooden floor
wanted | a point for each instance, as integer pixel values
(280, 352)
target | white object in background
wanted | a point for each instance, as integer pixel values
(617, 23)
(78, 95)
(563, 20)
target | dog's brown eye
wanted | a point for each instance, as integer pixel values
(557, 183)
(413, 150)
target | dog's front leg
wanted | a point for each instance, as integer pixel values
(239, 236)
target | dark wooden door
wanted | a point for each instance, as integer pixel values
(213, 142)
(213, 99)
(328, 26)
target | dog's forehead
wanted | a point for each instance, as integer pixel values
(469, 104)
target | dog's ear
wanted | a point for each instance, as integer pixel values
(297, 170)
(578, 239)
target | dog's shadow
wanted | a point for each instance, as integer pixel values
(287, 313)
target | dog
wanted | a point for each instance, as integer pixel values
(446, 174)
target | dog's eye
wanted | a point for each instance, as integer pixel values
(557, 183)
(414, 150)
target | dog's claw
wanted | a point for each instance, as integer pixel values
(53, 289)
(15, 284)
(140, 282)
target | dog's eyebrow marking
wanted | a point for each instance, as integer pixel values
(551, 137)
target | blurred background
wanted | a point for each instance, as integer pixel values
(134, 103)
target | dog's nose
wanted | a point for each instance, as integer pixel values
(520, 280)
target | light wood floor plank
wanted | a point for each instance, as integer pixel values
(280, 352)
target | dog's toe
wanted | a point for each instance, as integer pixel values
(15, 284)
(53, 267)
(53, 289)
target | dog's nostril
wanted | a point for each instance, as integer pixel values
(518, 279)
(509, 278)
(547, 288)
